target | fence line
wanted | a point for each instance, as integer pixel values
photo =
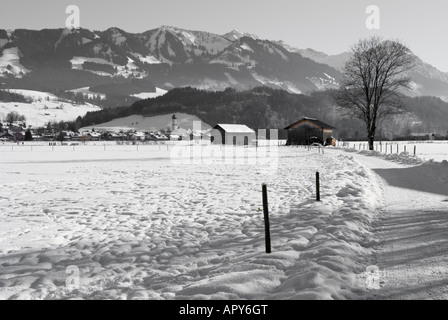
(378, 146)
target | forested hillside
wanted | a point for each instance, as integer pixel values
(264, 107)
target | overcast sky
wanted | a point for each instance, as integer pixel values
(324, 25)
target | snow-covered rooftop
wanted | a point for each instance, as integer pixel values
(236, 128)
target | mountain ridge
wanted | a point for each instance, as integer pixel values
(169, 57)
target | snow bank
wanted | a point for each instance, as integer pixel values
(430, 149)
(142, 227)
(402, 158)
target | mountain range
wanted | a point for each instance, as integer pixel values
(119, 62)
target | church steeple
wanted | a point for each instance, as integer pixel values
(174, 123)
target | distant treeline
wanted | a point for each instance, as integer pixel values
(7, 96)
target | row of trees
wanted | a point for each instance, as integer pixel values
(14, 116)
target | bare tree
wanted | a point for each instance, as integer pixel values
(373, 77)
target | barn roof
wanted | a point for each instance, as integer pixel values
(235, 128)
(319, 123)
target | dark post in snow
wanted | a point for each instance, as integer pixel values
(415, 150)
(266, 219)
(317, 186)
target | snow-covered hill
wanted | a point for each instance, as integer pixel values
(45, 107)
(10, 63)
(141, 123)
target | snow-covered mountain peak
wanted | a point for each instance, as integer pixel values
(287, 46)
(235, 35)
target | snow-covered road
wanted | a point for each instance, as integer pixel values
(412, 256)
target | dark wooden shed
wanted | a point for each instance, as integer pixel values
(309, 130)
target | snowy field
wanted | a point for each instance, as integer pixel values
(153, 224)
(427, 150)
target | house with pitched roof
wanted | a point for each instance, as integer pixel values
(233, 134)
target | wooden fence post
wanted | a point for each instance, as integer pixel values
(317, 186)
(266, 219)
(415, 150)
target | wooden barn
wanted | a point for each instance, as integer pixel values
(233, 134)
(308, 130)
